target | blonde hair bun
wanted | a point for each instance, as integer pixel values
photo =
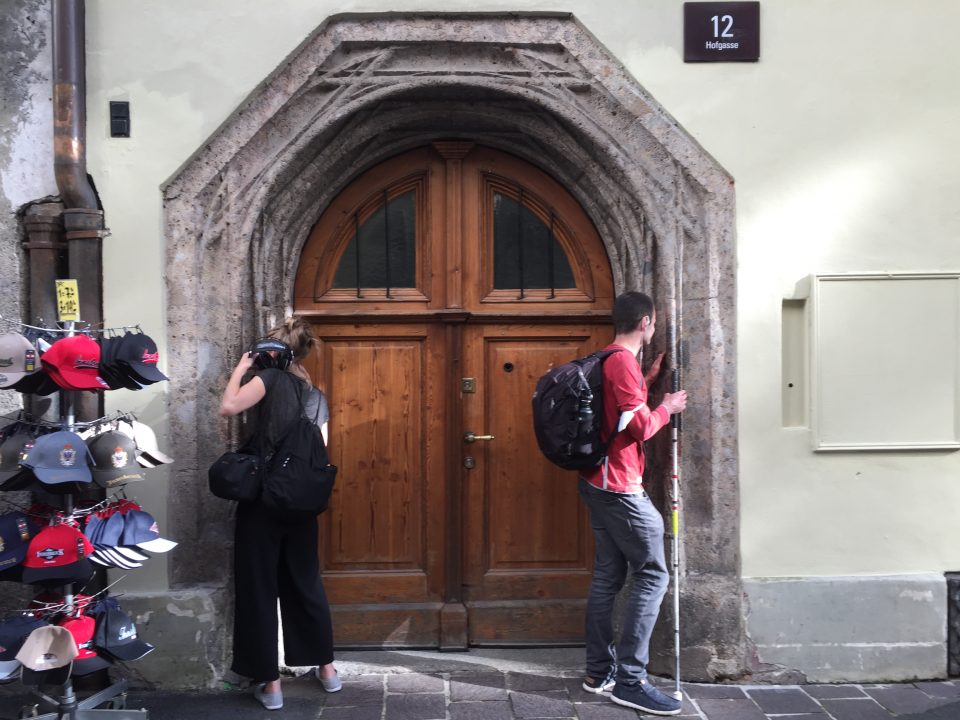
(298, 334)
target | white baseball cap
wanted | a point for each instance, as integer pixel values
(146, 440)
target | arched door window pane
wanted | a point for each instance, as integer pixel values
(526, 254)
(383, 250)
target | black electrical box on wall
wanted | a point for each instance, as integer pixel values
(119, 119)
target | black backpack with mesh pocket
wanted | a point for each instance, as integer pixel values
(568, 411)
(298, 477)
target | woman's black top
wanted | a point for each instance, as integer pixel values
(279, 407)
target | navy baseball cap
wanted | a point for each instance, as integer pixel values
(93, 527)
(105, 535)
(16, 531)
(140, 530)
(13, 631)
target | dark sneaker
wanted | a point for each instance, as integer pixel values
(645, 698)
(600, 686)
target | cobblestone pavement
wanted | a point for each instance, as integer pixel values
(523, 696)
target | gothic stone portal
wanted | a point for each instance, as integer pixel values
(364, 88)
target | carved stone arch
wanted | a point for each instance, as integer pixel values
(363, 88)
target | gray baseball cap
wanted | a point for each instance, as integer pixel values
(59, 457)
(18, 358)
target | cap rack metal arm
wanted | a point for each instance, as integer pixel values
(86, 329)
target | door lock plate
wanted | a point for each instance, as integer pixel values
(468, 385)
(469, 463)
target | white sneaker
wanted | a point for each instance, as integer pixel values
(271, 701)
(330, 684)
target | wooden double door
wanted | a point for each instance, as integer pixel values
(442, 284)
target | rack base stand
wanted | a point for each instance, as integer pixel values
(69, 708)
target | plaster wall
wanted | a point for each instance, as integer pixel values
(26, 141)
(842, 141)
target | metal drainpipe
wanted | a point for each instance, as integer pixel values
(82, 218)
(43, 224)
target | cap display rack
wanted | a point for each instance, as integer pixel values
(108, 703)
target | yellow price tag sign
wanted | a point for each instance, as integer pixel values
(68, 300)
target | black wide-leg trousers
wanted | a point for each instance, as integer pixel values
(276, 559)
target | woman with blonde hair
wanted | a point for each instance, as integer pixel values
(276, 558)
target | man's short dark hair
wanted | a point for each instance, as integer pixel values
(629, 309)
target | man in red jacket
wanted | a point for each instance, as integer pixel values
(627, 528)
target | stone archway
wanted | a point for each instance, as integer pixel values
(363, 88)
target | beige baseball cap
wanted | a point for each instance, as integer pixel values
(47, 648)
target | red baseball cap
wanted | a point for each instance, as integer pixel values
(58, 554)
(74, 363)
(87, 660)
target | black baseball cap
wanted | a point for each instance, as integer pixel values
(11, 452)
(116, 635)
(115, 374)
(114, 459)
(38, 383)
(137, 354)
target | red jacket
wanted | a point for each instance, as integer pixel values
(623, 391)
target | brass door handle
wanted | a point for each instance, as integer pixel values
(473, 437)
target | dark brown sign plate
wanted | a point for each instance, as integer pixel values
(721, 31)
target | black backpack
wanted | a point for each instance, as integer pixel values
(298, 477)
(568, 411)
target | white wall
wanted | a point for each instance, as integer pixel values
(844, 141)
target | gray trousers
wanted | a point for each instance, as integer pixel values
(628, 530)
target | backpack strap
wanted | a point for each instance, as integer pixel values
(303, 404)
(269, 455)
(603, 355)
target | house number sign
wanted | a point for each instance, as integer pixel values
(721, 31)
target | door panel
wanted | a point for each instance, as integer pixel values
(528, 543)
(379, 542)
